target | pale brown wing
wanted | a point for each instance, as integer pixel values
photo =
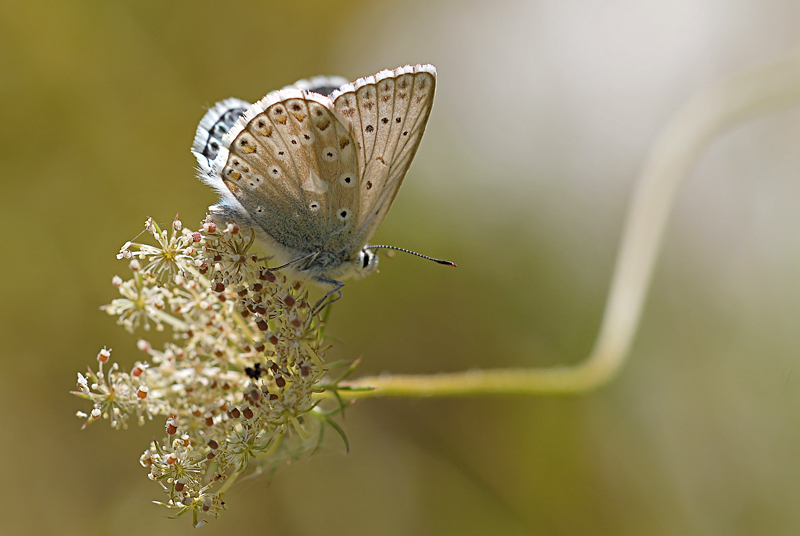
(387, 114)
(285, 161)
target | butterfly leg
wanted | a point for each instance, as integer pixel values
(329, 297)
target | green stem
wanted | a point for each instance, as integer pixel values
(709, 113)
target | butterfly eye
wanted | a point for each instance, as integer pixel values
(347, 180)
(314, 206)
(367, 262)
(275, 172)
(343, 214)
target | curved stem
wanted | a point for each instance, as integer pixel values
(704, 117)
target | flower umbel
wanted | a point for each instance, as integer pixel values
(240, 384)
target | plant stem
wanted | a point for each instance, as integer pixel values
(709, 113)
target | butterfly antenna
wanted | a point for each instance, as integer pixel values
(440, 261)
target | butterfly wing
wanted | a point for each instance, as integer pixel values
(285, 159)
(324, 85)
(387, 114)
(212, 128)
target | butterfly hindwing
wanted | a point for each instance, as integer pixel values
(387, 114)
(286, 163)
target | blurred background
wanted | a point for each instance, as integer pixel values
(544, 113)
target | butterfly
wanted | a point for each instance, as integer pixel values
(313, 168)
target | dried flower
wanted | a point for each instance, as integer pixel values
(240, 384)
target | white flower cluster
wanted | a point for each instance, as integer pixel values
(242, 381)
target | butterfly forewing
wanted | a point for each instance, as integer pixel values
(217, 121)
(410, 133)
(387, 114)
(324, 85)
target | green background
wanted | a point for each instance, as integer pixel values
(544, 114)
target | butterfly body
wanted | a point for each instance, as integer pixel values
(313, 170)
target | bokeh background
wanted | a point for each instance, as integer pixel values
(544, 113)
